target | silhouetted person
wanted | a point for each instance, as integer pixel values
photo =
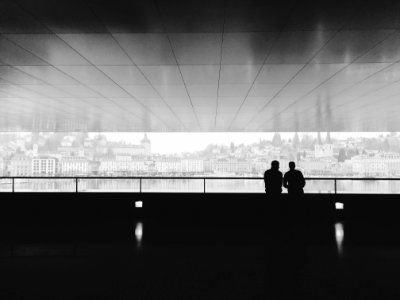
(273, 187)
(276, 234)
(290, 254)
(273, 180)
(294, 180)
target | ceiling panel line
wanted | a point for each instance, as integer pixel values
(23, 86)
(102, 96)
(354, 100)
(17, 96)
(332, 76)
(220, 64)
(282, 29)
(64, 73)
(266, 78)
(363, 80)
(289, 81)
(342, 28)
(112, 80)
(274, 97)
(150, 83)
(176, 61)
(56, 108)
(307, 63)
(56, 35)
(218, 83)
(370, 76)
(255, 78)
(363, 106)
(183, 80)
(133, 62)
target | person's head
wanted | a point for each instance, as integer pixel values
(275, 165)
(292, 165)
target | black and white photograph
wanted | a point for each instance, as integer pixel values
(200, 149)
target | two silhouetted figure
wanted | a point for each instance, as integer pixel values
(284, 229)
(293, 180)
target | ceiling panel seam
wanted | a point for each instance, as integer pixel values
(46, 83)
(334, 74)
(176, 61)
(134, 63)
(278, 35)
(220, 63)
(306, 64)
(102, 96)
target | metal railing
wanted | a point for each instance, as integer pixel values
(148, 184)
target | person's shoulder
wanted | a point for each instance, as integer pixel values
(290, 173)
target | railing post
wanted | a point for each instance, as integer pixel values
(140, 185)
(76, 184)
(335, 186)
(204, 185)
(13, 185)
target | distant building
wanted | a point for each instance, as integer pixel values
(144, 149)
(44, 166)
(207, 164)
(325, 150)
(192, 166)
(317, 166)
(381, 164)
(2, 167)
(71, 151)
(342, 169)
(67, 141)
(129, 150)
(221, 165)
(260, 165)
(93, 167)
(146, 144)
(74, 166)
(138, 166)
(168, 165)
(124, 165)
(229, 165)
(20, 165)
(35, 149)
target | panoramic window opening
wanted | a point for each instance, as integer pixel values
(197, 162)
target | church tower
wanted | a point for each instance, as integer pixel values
(146, 144)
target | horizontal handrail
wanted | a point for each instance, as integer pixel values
(191, 177)
(77, 179)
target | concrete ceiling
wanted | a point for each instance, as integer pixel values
(199, 65)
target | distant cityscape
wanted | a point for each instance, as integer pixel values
(84, 154)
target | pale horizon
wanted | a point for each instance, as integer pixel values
(181, 142)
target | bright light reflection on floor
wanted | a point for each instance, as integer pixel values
(339, 205)
(139, 232)
(339, 235)
(138, 203)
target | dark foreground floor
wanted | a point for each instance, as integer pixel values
(156, 260)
